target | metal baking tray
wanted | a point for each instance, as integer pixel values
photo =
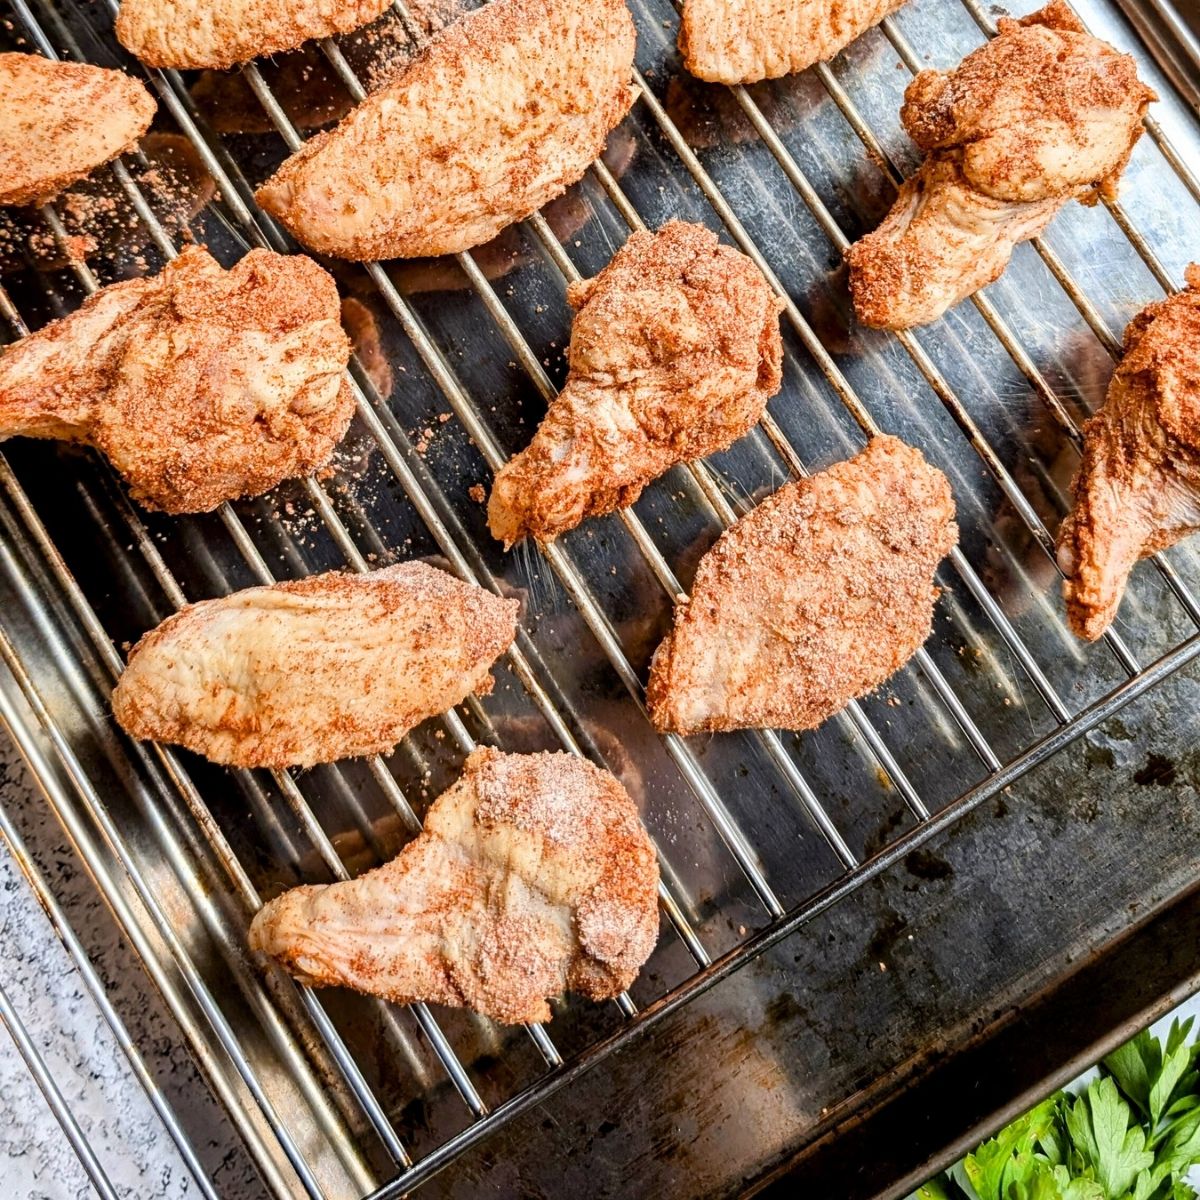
(869, 930)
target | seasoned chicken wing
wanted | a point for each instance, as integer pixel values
(314, 670)
(533, 876)
(497, 115)
(809, 601)
(743, 41)
(674, 353)
(190, 34)
(199, 384)
(1138, 487)
(59, 121)
(942, 241)
(1041, 115)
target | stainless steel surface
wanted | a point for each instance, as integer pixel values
(758, 833)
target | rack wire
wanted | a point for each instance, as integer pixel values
(306, 1029)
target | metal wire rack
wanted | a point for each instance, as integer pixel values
(757, 834)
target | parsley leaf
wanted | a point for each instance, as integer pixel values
(1003, 1160)
(1055, 1183)
(1132, 1134)
(1174, 1073)
(1105, 1139)
(1181, 1148)
(1150, 1076)
(1134, 1066)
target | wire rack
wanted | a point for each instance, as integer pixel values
(757, 833)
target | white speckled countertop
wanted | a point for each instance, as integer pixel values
(52, 1000)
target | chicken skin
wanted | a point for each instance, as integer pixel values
(674, 353)
(1138, 487)
(743, 41)
(190, 34)
(811, 600)
(61, 121)
(499, 114)
(942, 241)
(200, 385)
(533, 876)
(1041, 115)
(314, 670)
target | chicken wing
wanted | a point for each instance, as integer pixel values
(1041, 115)
(1138, 487)
(743, 41)
(533, 876)
(942, 241)
(497, 115)
(199, 384)
(674, 353)
(812, 599)
(62, 121)
(190, 34)
(314, 670)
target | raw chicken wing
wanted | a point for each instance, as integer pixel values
(811, 600)
(498, 115)
(61, 121)
(533, 876)
(743, 41)
(189, 34)
(314, 670)
(1041, 115)
(199, 384)
(674, 353)
(1138, 486)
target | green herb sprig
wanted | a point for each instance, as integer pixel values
(1131, 1134)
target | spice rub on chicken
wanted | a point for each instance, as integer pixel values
(1138, 487)
(1041, 115)
(812, 599)
(743, 41)
(674, 352)
(190, 34)
(199, 384)
(500, 113)
(314, 670)
(533, 876)
(59, 121)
